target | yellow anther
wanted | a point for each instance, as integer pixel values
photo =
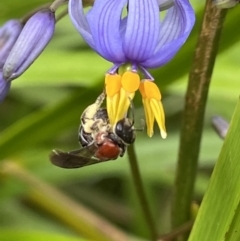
(130, 81)
(149, 117)
(149, 90)
(120, 90)
(112, 84)
(157, 109)
(123, 105)
(153, 108)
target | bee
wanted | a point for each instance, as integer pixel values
(99, 140)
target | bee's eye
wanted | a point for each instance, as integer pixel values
(124, 131)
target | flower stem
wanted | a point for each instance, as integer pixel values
(140, 191)
(28, 15)
(193, 115)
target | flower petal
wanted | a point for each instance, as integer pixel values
(142, 30)
(4, 87)
(35, 36)
(8, 36)
(104, 21)
(79, 20)
(174, 32)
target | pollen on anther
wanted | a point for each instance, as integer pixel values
(112, 84)
(150, 90)
(130, 81)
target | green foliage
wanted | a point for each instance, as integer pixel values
(42, 113)
(10, 235)
(218, 217)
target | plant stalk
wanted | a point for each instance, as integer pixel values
(194, 110)
(140, 191)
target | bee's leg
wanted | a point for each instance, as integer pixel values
(123, 150)
(91, 110)
(100, 99)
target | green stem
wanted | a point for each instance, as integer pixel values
(62, 15)
(140, 191)
(25, 18)
(193, 115)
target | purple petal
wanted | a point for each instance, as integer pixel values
(34, 37)
(4, 87)
(8, 36)
(79, 20)
(142, 32)
(104, 20)
(174, 32)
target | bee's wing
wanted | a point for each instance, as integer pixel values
(74, 159)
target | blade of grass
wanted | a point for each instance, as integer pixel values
(27, 235)
(219, 214)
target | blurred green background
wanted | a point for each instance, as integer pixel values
(42, 112)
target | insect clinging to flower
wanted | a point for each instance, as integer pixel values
(134, 43)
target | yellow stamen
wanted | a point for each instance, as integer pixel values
(157, 109)
(130, 81)
(112, 84)
(112, 87)
(123, 105)
(153, 107)
(128, 84)
(149, 117)
(150, 90)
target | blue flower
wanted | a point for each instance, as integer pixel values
(134, 43)
(4, 87)
(33, 39)
(9, 33)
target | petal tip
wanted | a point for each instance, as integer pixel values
(163, 134)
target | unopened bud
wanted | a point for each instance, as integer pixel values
(4, 87)
(9, 33)
(35, 36)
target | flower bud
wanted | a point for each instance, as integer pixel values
(9, 33)
(35, 36)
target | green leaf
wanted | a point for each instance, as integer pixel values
(13, 235)
(218, 217)
(37, 126)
